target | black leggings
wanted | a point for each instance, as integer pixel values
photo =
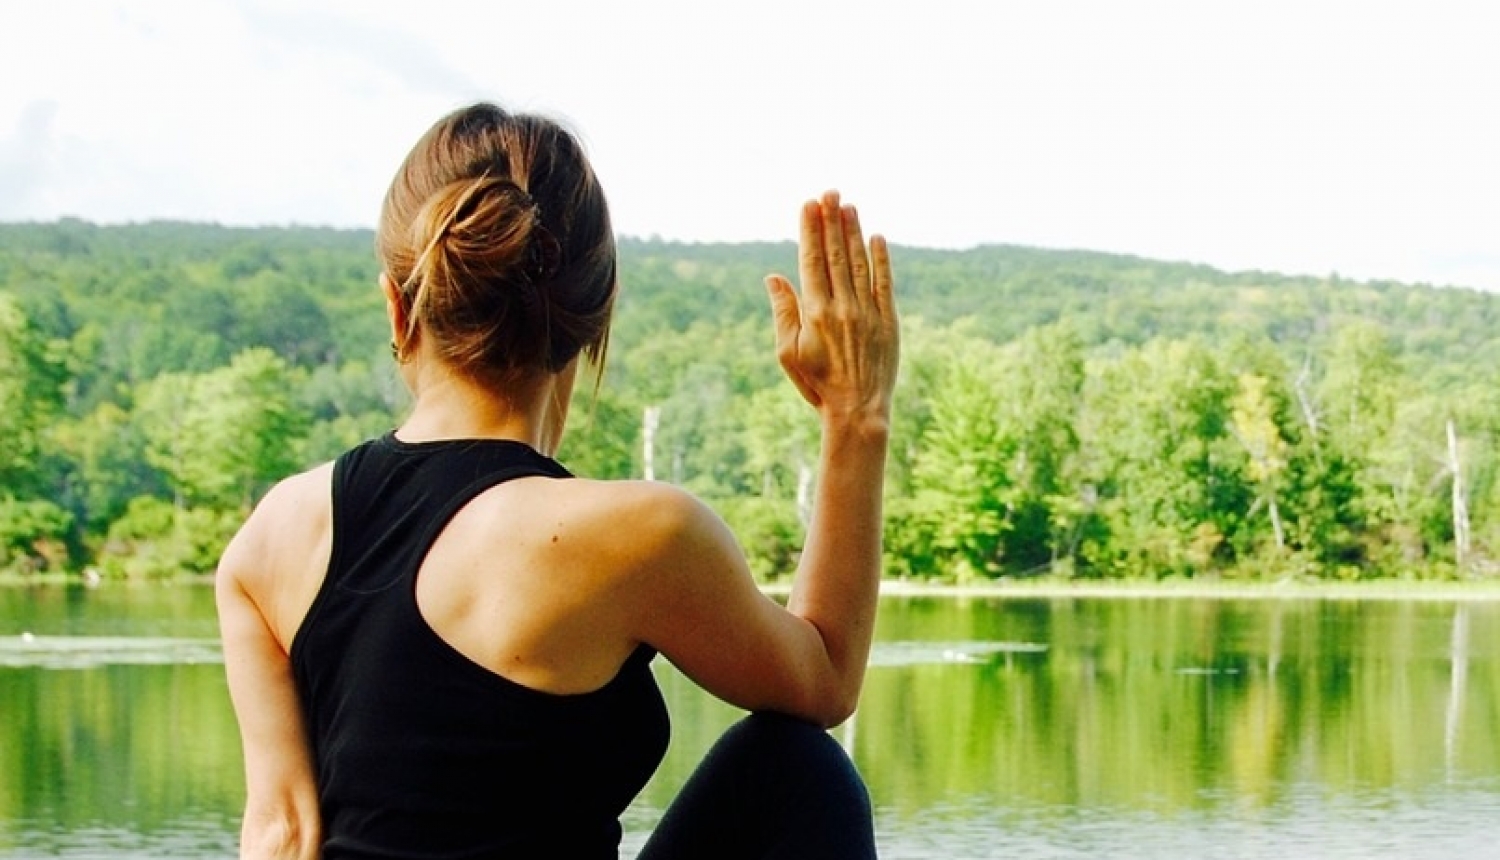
(772, 788)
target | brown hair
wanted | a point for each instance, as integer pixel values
(497, 235)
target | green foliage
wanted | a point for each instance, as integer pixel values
(770, 533)
(157, 540)
(223, 436)
(1169, 493)
(30, 394)
(603, 436)
(105, 464)
(1041, 405)
(1073, 413)
(952, 516)
(780, 437)
(33, 535)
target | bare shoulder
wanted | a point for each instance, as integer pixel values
(294, 507)
(643, 524)
(665, 552)
(279, 555)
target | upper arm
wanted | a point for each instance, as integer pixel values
(281, 810)
(700, 607)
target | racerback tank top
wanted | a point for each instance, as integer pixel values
(421, 752)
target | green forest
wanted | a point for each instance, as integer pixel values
(1060, 413)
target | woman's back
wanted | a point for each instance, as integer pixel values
(419, 749)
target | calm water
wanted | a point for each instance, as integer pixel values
(1067, 728)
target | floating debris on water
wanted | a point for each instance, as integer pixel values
(89, 652)
(916, 652)
(1207, 670)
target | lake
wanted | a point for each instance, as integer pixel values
(1028, 727)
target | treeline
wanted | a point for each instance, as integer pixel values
(1066, 413)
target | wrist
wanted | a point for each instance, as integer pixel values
(871, 426)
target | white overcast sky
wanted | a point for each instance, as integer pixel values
(1303, 137)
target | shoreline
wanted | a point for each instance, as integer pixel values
(1478, 591)
(1487, 590)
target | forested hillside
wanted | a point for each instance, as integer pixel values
(1067, 413)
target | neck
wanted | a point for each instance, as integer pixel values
(450, 405)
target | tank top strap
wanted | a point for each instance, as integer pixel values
(391, 500)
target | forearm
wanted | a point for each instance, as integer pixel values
(839, 343)
(838, 579)
(282, 820)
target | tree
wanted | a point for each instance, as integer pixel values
(1041, 402)
(603, 435)
(1356, 400)
(951, 517)
(1253, 423)
(30, 395)
(106, 467)
(221, 437)
(1157, 449)
(33, 535)
(697, 445)
(780, 436)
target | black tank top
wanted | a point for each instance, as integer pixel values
(421, 752)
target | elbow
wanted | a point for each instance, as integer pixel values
(830, 707)
(824, 715)
(834, 718)
(823, 705)
(839, 710)
(832, 698)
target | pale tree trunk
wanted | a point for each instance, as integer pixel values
(1460, 506)
(649, 422)
(804, 492)
(1309, 414)
(1276, 521)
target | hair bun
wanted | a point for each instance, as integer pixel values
(544, 256)
(500, 291)
(485, 227)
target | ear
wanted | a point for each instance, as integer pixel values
(394, 310)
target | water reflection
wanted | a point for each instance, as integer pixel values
(1041, 728)
(116, 755)
(1458, 659)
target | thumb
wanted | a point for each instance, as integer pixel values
(786, 314)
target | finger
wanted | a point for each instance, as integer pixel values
(812, 262)
(859, 260)
(787, 319)
(834, 248)
(883, 287)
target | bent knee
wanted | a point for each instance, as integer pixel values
(795, 747)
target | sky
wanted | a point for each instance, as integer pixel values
(1310, 137)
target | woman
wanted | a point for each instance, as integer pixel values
(438, 646)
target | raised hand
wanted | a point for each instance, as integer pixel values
(839, 341)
